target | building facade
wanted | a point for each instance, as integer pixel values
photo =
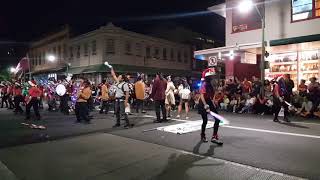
(291, 35)
(126, 51)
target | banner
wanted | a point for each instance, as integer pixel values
(23, 65)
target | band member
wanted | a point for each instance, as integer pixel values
(64, 108)
(10, 95)
(4, 91)
(18, 98)
(121, 98)
(206, 104)
(81, 108)
(104, 97)
(33, 100)
(280, 97)
(158, 95)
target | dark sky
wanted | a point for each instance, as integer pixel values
(27, 20)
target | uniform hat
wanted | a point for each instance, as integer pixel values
(17, 84)
(208, 72)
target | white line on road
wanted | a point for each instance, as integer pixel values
(253, 129)
(273, 132)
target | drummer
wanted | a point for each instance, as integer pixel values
(64, 98)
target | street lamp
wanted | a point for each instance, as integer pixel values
(12, 70)
(244, 7)
(51, 58)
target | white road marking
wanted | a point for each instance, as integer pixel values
(253, 129)
(273, 132)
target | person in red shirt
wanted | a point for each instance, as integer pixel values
(246, 87)
(17, 93)
(158, 95)
(33, 100)
(303, 88)
(280, 95)
(206, 104)
(10, 95)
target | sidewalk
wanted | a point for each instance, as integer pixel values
(105, 156)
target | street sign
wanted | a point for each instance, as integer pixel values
(213, 61)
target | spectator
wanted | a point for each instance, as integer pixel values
(218, 98)
(305, 110)
(260, 105)
(303, 88)
(314, 92)
(139, 88)
(225, 103)
(289, 84)
(256, 86)
(234, 103)
(170, 99)
(246, 87)
(158, 95)
(250, 101)
(185, 95)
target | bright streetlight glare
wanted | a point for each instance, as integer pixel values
(12, 70)
(245, 6)
(51, 58)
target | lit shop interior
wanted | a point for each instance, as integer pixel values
(301, 61)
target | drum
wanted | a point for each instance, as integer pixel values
(61, 90)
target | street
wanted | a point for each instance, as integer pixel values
(66, 150)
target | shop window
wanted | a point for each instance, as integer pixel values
(110, 48)
(94, 47)
(305, 9)
(59, 52)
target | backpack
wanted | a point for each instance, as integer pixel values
(112, 91)
(185, 93)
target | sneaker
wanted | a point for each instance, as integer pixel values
(204, 139)
(116, 125)
(286, 119)
(178, 116)
(276, 120)
(215, 139)
(187, 118)
(262, 114)
(127, 126)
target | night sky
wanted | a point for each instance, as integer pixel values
(25, 21)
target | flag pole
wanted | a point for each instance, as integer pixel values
(29, 66)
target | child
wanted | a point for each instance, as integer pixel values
(249, 104)
(225, 103)
(234, 104)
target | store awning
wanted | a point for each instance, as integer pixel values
(295, 40)
(55, 70)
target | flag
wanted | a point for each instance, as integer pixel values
(23, 65)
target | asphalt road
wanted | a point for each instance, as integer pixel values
(249, 139)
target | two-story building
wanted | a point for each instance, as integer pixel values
(127, 52)
(291, 35)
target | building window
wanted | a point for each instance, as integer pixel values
(94, 47)
(138, 49)
(40, 59)
(44, 57)
(127, 47)
(185, 57)
(54, 51)
(164, 53)
(59, 52)
(148, 52)
(71, 52)
(172, 55)
(85, 49)
(110, 48)
(305, 9)
(78, 51)
(65, 51)
(156, 53)
(179, 56)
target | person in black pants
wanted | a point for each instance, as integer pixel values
(81, 108)
(158, 95)
(206, 105)
(33, 100)
(280, 97)
(18, 98)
